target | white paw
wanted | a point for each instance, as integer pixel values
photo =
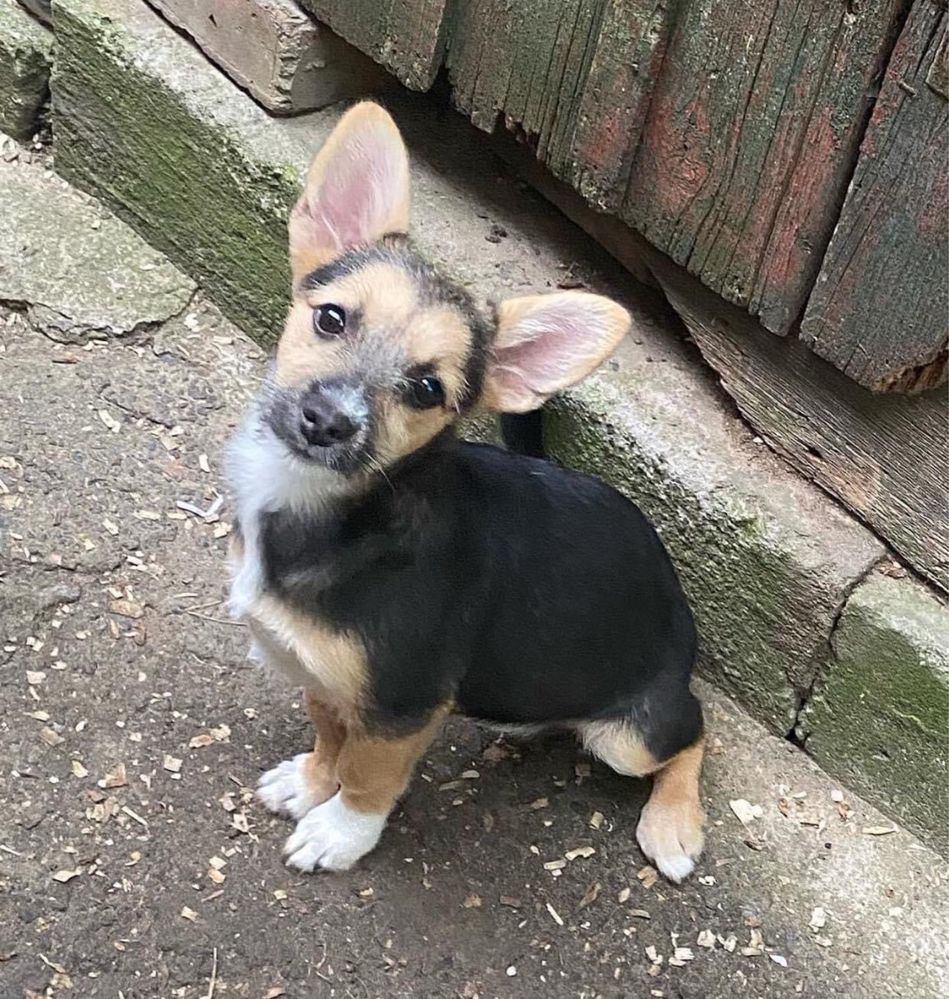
(671, 836)
(289, 790)
(333, 837)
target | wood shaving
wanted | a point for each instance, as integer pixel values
(171, 763)
(66, 875)
(590, 895)
(623, 895)
(188, 914)
(538, 803)
(472, 902)
(114, 778)
(596, 820)
(34, 677)
(127, 608)
(878, 830)
(554, 915)
(779, 959)
(706, 938)
(580, 851)
(648, 875)
(640, 914)
(818, 918)
(109, 420)
(78, 770)
(745, 811)
(555, 865)
(51, 737)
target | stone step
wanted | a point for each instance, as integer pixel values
(25, 55)
(769, 563)
(275, 51)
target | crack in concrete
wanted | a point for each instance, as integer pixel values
(825, 661)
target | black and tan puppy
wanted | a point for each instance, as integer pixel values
(397, 573)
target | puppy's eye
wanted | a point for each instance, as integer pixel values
(425, 392)
(329, 320)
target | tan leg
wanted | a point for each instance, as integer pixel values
(373, 773)
(670, 829)
(299, 784)
(320, 766)
(670, 826)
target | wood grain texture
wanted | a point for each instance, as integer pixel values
(884, 457)
(525, 61)
(750, 141)
(879, 308)
(405, 36)
(573, 77)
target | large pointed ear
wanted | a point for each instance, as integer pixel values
(357, 190)
(545, 343)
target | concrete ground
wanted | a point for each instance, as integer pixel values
(133, 860)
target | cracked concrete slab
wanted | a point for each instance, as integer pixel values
(77, 270)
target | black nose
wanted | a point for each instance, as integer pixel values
(323, 424)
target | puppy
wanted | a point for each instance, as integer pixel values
(397, 573)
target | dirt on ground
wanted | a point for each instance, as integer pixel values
(134, 861)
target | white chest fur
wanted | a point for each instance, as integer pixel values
(264, 478)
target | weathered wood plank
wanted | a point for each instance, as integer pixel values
(879, 308)
(405, 36)
(750, 140)
(884, 457)
(525, 61)
(598, 154)
(574, 77)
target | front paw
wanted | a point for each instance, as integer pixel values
(292, 788)
(333, 836)
(670, 834)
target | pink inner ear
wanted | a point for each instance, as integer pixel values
(360, 192)
(549, 348)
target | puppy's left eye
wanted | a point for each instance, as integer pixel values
(425, 392)
(329, 320)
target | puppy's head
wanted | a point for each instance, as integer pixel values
(380, 352)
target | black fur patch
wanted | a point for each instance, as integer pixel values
(526, 592)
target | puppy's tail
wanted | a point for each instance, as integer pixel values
(524, 433)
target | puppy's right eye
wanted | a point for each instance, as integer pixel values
(329, 320)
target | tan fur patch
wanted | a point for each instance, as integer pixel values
(373, 772)
(320, 768)
(329, 663)
(620, 746)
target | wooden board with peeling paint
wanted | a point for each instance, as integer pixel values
(879, 308)
(750, 141)
(572, 77)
